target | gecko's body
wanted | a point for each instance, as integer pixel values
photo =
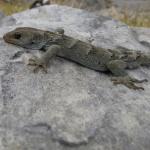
(99, 59)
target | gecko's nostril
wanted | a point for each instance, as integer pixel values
(5, 37)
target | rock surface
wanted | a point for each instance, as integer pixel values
(72, 107)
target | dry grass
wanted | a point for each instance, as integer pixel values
(15, 6)
(139, 19)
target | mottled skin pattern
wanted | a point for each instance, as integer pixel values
(99, 59)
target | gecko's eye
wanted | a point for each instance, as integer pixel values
(17, 35)
(33, 42)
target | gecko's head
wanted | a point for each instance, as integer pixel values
(25, 37)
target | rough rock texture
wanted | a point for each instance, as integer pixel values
(72, 107)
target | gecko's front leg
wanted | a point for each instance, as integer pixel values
(37, 64)
(117, 67)
(42, 62)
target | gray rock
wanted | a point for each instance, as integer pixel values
(7, 21)
(72, 107)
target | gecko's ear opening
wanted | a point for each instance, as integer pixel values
(60, 31)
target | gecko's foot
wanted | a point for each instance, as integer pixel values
(128, 82)
(37, 64)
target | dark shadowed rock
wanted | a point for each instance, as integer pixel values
(72, 107)
(39, 3)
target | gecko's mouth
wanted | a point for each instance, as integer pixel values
(12, 37)
(7, 38)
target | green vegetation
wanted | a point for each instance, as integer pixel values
(15, 6)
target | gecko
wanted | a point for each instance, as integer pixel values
(115, 61)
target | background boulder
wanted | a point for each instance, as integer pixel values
(72, 107)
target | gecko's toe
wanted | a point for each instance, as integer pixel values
(128, 82)
(41, 67)
(114, 79)
(36, 69)
(37, 64)
(138, 81)
(32, 61)
(44, 68)
(131, 85)
(144, 80)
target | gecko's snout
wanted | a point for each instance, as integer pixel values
(11, 37)
(7, 37)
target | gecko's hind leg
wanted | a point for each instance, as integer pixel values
(128, 82)
(117, 67)
(138, 81)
